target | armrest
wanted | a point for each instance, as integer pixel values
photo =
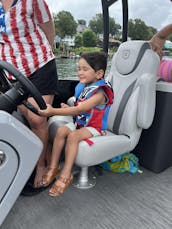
(71, 101)
(146, 106)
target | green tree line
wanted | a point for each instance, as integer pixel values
(66, 25)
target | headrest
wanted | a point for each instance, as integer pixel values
(129, 56)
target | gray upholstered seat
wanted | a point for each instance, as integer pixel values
(133, 76)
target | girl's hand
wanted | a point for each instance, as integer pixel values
(47, 112)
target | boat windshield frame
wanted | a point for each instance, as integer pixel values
(105, 9)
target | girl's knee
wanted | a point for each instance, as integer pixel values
(73, 137)
(62, 131)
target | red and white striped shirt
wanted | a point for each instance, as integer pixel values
(24, 44)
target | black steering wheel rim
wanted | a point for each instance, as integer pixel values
(25, 82)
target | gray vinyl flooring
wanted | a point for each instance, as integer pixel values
(118, 201)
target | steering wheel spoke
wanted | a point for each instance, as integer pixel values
(30, 107)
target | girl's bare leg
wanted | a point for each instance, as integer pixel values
(71, 150)
(58, 145)
(53, 168)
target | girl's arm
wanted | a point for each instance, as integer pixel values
(88, 104)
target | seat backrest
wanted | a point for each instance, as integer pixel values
(133, 76)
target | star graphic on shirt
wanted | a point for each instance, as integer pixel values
(2, 29)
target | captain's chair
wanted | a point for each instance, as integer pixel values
(133, 76)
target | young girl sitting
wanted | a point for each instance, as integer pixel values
(94, 97)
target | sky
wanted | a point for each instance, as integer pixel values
(155, 13)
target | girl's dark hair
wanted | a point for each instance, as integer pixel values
(97, 60)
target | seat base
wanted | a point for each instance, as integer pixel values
(82, 181)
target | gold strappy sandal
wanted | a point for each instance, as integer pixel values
(58, 188)
(49, 175)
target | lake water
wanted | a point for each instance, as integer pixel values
(67, 68)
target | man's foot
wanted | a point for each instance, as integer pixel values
(40, 171)
(49, 175)
(29, 190)
(60, 185)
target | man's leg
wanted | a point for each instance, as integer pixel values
(39, 126)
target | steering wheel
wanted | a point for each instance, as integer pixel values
(15, 94)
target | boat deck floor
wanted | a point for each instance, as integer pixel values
(118, 201)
